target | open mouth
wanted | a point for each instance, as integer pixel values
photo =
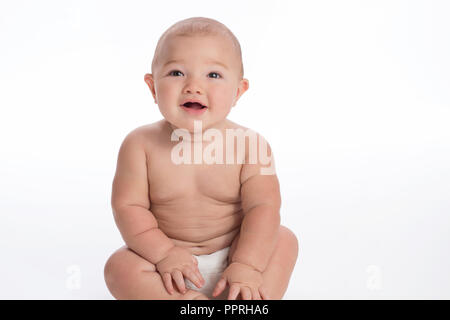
(194, 105)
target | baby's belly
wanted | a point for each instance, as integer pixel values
(202, 225)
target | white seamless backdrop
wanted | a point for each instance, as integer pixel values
(353, 97)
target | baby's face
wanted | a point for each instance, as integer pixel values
(201, 68)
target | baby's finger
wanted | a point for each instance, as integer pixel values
(220, 286)
(234, 291)
(179, 280)
(246, 294)
(200, 277)
(167, 280)
(255, 294)
(192, 276)
(263, 294)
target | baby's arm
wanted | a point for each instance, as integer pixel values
(131, 207)
(131, 204)
(261, 202)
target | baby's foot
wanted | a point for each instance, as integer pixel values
(193, 295)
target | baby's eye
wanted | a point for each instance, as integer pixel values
(174, 71)
(217, 75)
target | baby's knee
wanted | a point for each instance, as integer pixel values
(289, 239)
(118, 270)
(113, 270)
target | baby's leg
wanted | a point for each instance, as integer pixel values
(129, 276)
(281, 264)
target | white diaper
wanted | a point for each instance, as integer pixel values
(211, 267)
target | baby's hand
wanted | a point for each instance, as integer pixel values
(179, 263)
(242, 279)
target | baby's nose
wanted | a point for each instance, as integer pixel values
(193, 88)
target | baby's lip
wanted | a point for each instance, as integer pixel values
(193, 101)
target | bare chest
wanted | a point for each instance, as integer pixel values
(169, 182)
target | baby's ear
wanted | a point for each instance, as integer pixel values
(243, 86)
(148, 78)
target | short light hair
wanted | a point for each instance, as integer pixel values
(198, 26)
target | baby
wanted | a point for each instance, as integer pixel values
(202, 228)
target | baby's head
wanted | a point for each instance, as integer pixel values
(197, 59)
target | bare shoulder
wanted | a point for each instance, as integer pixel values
(258, 152)
(233, 125)
(248, 132)
(147, 131)
(148, 135)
